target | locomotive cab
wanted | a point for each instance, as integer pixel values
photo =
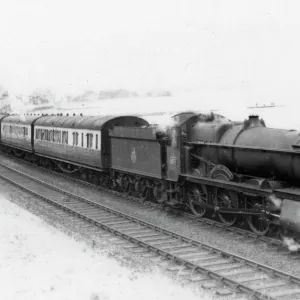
(186, 129)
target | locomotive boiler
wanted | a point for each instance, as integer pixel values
(248, 154)
(251, 148)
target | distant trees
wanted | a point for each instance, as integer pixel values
(5, 109)
(116, 94)
(4, 95)
(159, 93)
(41, 97)
(102, 95)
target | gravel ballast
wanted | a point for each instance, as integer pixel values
(258, 252)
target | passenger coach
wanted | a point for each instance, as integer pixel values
(17, 132)
(77, 140)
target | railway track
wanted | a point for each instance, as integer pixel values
(199, 262)
(273, 243)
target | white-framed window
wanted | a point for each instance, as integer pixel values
(75, 138)
(89, 140)
(65, 135)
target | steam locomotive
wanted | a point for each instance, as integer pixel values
(203, 162)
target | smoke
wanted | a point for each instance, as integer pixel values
(292, 245)
(276, 201)
(165, 122)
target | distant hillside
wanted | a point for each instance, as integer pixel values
(159, 93)
(102, 95)
(116, 94)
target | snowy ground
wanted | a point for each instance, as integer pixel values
(39, 262)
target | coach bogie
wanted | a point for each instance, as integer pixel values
(158, 191)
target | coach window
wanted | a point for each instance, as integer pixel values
(65, 137)
(87, 140)
(55, 136)
(96, 141)
(82, 140)
(74, 141)
(75, 138)
(51, 135)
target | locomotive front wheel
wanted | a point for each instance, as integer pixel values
(196, 196)
(260, 225)
(224, 200)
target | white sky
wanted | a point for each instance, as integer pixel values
(250, 47)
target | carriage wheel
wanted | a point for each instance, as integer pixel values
(47, 164)
(84, 176)
(158, 192)
(143, 189)
(96, 179)
(125, 184)
(197, 194)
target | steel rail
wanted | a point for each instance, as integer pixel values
(231, 258)
(206, 221)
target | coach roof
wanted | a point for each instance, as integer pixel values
(87, 122)
(24, 120)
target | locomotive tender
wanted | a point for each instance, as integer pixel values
(202, 161)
